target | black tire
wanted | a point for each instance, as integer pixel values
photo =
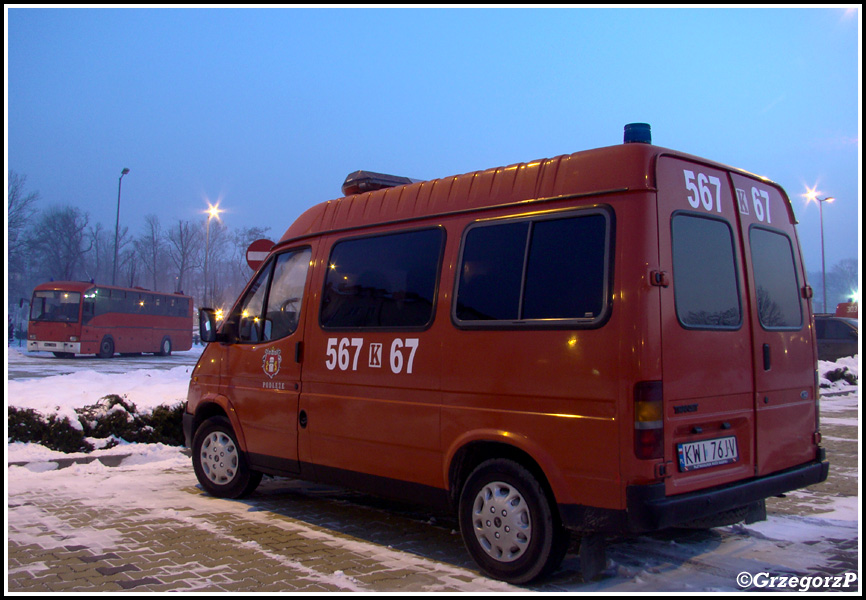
(219, 464)
(165, 347)
(106, 348)
(508, 524)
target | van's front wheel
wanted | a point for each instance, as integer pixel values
(219, 463)
(508, 524)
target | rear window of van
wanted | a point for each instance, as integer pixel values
(706, 286)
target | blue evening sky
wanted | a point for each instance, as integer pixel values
(267, 110)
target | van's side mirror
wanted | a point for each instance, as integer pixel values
(207, 325)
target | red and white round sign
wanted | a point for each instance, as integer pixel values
(257, 252)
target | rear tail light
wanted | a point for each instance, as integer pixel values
(648, 420)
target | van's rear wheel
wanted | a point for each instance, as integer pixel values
(508, 523)
(219, 464)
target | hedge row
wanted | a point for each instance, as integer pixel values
(112, 418)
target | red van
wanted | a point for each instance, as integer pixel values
(617, 340)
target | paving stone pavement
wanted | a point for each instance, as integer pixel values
(248, 546)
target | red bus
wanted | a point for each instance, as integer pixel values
(75, 317)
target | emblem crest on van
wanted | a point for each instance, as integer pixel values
(271, 362)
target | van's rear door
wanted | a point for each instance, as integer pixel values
(737, 348)
(707, 350)
(783, 350)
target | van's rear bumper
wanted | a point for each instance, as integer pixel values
(649, 509)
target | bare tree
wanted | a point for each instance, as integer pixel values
(127, 267)
(217, 247)
(149, 246)
(185, 243)
(97, 263)
(59, 242)
(842, 282)
(20, 211)
(127, 259)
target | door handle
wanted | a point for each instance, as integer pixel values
(766, 357)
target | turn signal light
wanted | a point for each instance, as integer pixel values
(649, 431)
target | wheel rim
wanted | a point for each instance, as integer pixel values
(219, 458)
(166, 346)
(501, 520)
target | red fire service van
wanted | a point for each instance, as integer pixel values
(617, 340)
(75, 317)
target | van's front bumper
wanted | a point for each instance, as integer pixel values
(649, 509)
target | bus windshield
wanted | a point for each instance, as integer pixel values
(55, 305)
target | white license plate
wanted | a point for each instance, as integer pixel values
(707, 453)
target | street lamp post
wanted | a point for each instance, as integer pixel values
(821, 202)
(117, 227)
(812, 195)
(213, 211)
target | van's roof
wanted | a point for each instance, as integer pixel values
(590, 172)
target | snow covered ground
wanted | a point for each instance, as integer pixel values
(791, 540)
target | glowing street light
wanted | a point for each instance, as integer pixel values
(213, 212)
(812, 196)
(117, 226)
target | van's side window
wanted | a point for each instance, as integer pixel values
(706, 287)
(775, 280)
(270, 309)
(383, 281)
(246, 322)
(535, 271)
